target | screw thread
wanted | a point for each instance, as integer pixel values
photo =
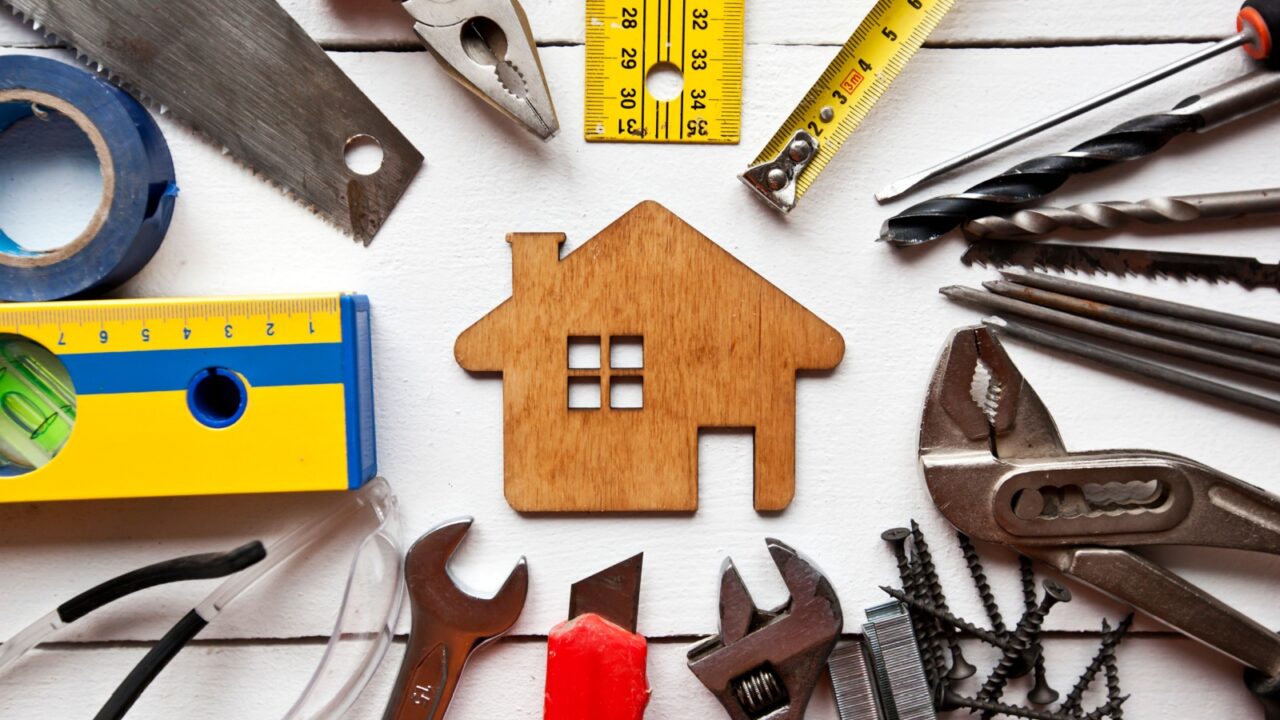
(926, 607)
(979, 575)
(992, 707)
(1027, 630)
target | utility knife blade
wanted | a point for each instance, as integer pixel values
(245, 75)
(1245, 271)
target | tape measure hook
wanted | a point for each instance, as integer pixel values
(775, 180)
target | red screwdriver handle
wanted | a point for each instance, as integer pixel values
(595, 671)
(1264, 17)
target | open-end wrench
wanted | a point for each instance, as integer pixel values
(448, 623)
(764, 665)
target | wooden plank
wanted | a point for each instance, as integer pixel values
(826, 22)
(1163, 676)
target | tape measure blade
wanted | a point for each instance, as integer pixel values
(855, 80)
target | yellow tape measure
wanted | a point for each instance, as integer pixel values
(841, 98)
(629, 39)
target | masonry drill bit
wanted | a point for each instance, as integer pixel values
(1034, 179)
(1040, 221)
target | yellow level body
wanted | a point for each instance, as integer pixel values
(854, 81)
(194, 396)
(627, 39)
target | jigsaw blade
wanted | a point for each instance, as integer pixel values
(1245, 271)
(245, 75)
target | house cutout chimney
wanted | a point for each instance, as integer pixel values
(682, 336)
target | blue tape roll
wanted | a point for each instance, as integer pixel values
(136, 166)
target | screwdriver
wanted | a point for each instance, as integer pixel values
(1253, 32)
(595, 660)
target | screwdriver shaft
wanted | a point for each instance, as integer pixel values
(1037, 222)
(908, 183)
(1134, 301)
(1132, 363)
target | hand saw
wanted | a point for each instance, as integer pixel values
(1245, 271)
(245, 75)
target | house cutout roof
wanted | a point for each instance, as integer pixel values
(721, 348)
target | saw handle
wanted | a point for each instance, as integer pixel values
(595, 671)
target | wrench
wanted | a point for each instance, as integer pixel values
(448, 623)
(764, 665)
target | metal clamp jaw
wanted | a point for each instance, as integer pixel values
(996, 467)
(764, 665)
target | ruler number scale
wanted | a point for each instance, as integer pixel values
(700, 40)
(841, 98)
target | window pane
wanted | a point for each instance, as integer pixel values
(626, 393)
(584, 393)
(626, 351)
(584, 353)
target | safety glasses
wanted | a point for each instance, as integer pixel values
(361, 635)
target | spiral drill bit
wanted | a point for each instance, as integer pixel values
(1034, 179)
(1040, 221)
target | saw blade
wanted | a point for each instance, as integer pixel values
(245, 75)
(1245, 271)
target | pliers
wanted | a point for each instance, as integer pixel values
(488, 47)
(998, 470)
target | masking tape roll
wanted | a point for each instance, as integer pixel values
(138, 184)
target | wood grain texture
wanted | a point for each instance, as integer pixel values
(720, 348)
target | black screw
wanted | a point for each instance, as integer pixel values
(1041, 693)
(1113, 684)
(991, 707)
(979, 575)
(1024, 635)
(1106, 649)
(926, 607)
(925, 630)
(1110, 709)
(960, 668)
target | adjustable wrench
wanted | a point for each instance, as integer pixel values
(448, 624)
(764, 665)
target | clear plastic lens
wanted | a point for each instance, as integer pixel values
(366, 620)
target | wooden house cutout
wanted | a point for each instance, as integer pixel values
(650, 331)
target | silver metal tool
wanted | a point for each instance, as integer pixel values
(448, 624)
(776, 180)
(488, 47)
(998, 470)
(853, 682)
(253, 82)
(1008, 298)
(1144, 303)
(764, 665)
(1038, 222)
(1254, 34)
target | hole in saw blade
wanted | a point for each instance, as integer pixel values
(664, 81)
(364, 154)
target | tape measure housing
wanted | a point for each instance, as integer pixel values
(627, 39)
(152, 414)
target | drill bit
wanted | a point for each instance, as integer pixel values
(1034, 179)
(1038, 222)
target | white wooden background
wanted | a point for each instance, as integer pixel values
(440, 263)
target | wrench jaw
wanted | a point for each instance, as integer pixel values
(980, 416)
(764, 665)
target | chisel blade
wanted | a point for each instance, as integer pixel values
(1245, 271)
(245, 75)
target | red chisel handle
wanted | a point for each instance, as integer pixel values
(595, 671)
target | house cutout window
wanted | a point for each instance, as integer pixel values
(600, 371)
